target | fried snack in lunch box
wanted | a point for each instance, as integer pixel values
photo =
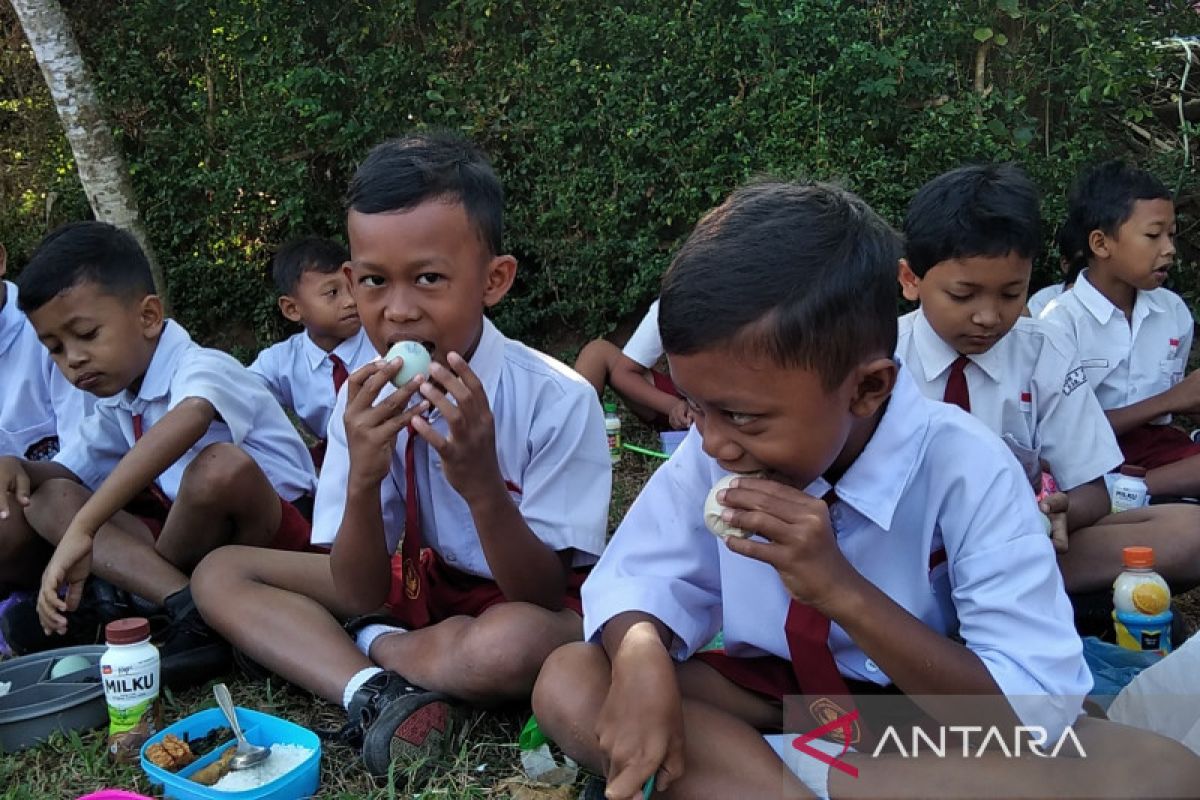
(171, 754)
(207, 776)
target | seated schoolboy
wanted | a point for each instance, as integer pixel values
(895, 544)
(1132, 334)
(462, 503)
(187, 427)
(631, 372)
(305, 371)
(970, 237)
(38, 409)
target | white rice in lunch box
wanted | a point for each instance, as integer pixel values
(283, 759)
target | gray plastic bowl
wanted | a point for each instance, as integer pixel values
(36, 706)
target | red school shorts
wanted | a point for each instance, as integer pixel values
(662, 382)
(444, 592)
(1153, 446)
(293, 532)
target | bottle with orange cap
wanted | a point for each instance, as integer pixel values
(1142, 603)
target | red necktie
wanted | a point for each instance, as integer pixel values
(816, 670)
(153, 488)
(956, 385)
(407, 594)
(340, 373)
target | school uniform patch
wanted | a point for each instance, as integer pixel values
(1075, 379)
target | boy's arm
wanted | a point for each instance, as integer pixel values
(628, 380)
(163, 445)
(524, 567)
(360, 560)
(640, 728)
(1087, 504)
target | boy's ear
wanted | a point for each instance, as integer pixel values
(501, 272)
(1098, 244)
(289, 309)
(150, 315)
(874, 382)
(910, 284)
(3, 261)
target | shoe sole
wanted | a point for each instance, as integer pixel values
(412, 731)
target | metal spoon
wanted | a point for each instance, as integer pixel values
(247, 755)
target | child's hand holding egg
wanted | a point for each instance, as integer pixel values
(713, 510)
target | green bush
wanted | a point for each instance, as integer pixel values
(613, 126)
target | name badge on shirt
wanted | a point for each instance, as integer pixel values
(1172, 348)
(1093, 363)
(1027, 401)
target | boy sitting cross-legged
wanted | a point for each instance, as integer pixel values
(306, 371)
(463, 503)
(181, 426)
(894, 545)
(970, 236)
(1133, 334)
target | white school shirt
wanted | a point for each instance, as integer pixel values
(931, 477)
(1126, 361)
(1042, 297)
(550, 444)
(300, 375)
(248, 416)
(645, 345)
(36, 401)
(1029, 389)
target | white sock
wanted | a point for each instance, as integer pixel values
(355, 683)
(812, 772)
(369, 633)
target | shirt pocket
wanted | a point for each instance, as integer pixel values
(1028, 457)
(19, 442)
(1170, 371)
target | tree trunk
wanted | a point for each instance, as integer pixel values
(101, 168)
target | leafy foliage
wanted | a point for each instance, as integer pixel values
(613, 126)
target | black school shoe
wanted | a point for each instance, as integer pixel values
(399, 724)
(100, 604)
(190, 652)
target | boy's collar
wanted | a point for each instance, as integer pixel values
(1102, 308)
(11, 318)
(346, 350)
(874, 484)
(937, 356)
(156, 382)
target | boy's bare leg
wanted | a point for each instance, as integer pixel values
(282, 610)
(1093, 558)
(224, 498)
(485, 660)
(23, 554)
(123, 552)
(724, 756)
(595, 361)
(1180, 479)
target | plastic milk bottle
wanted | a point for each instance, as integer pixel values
(1129, 491)
(129, 672)
(612, 427)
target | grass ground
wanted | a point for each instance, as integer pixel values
(484, 763)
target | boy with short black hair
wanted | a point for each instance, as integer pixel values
(306, 371)
(212, 453)
(895, 543)
(464, 503)
(971, 235)
(1133, 334)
